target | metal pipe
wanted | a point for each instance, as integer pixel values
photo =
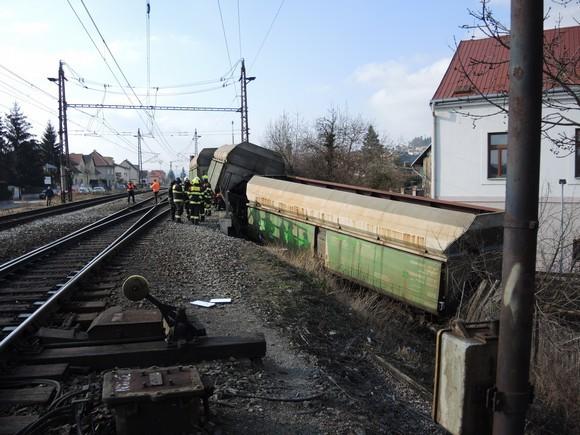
(512, 393)
(562, 182)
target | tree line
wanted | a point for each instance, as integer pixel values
(23, 158)
(342, 148)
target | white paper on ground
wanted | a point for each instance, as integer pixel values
(221, 300)
(203, 304)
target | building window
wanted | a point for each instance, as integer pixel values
(577, 166)
(496, 155)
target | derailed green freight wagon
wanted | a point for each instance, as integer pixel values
(419, 254)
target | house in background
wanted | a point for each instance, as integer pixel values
(91, 170)
(156, 174)
(105, 170)
(469, 149)
(422, 167)
(125, 172)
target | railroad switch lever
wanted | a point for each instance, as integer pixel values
(136, 288)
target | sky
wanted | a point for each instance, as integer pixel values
(381, 59)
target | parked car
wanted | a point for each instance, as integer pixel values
(99, 189)
(84, 189)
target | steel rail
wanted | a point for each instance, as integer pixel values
(34, 319)
(12, 220)
(31, 255)
(101, 223)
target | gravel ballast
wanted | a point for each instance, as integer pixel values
(319, 374)
(30, 235)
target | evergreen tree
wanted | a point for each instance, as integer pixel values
(372, 148)
(183, 174)
(49, 148)
(6, 156)
(27, 163)
(170, 176)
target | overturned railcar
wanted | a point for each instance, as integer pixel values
(199, 165)
(231, 168)
(419, 251)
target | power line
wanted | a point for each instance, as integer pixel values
(267, 33)
(82, 83)
(105, 60)
(39, 105)
(239, 30)
(148, 37)
(224, 31)
(153, 122)
(226, 41)
(28, 83)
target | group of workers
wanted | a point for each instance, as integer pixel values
(131, 188)
(194, 197)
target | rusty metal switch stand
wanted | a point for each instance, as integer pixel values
(155, 400)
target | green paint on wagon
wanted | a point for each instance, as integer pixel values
(274, 228)
(404, 276)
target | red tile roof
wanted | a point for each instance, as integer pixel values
(100, 160)
(482, 65)
(157, 173)
(75, 159)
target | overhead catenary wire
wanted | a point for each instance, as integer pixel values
(153, 122)
(83, 84)
(167, 147)
(226, 42)
(148, 39)
(239, 30)
(267, 33)
(29, 99)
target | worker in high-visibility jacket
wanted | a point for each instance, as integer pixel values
(196, 200)
(207, 194)
(156, 187)
(186, 204)
(170, 199)
(179, 198)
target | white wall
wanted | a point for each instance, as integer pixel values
(461, 160)
(460, 169)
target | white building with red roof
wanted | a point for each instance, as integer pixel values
(469, 148)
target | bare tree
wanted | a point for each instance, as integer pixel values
(561, 66)
(286, 136)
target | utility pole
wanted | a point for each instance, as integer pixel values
(512, 393)
(233, 141)
(244, 109)
(195, 138)
(65, 168)
(139, 156)
(62, 80)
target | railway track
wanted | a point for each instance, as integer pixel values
(44, 280)
(13, 220)
(51, 297)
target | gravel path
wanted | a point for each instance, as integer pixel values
(345, 392)
(25, 237)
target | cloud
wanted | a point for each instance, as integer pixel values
(402, 91)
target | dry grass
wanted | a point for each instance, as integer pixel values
(368, 305)
(556, 351)
(394, 332)
(555, 365)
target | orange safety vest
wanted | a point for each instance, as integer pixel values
(130, 187)
(156, 186)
